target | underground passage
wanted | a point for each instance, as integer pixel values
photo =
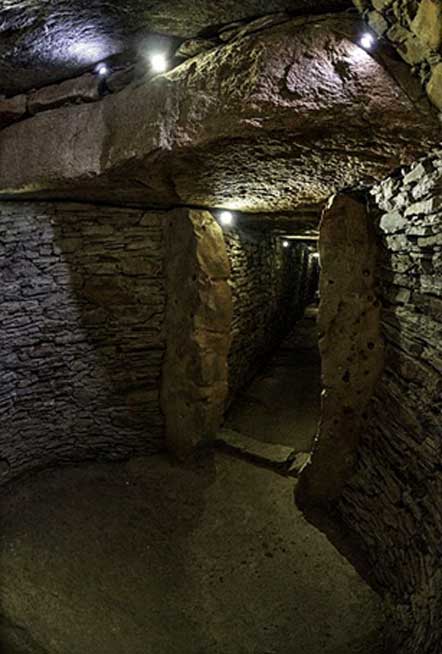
(221, 322)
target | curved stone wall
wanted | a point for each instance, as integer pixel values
(82, 307)
(393, 501)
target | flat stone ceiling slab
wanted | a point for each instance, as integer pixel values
(42, 41)
(267, 123)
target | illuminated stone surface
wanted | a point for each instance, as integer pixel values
(47, 41)
(302, 95)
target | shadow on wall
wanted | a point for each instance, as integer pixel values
(84, 301)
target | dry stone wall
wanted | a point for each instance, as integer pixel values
(270, 287)
(393, 501)
(82, 334)
(414, 28)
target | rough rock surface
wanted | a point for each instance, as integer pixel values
(81, 317)
(12, 109)
(77, 90)
(393, 501)
(42, 42)
(302, 96)
(268, 285)
(414, 28)
(350, 343)
(199, 315)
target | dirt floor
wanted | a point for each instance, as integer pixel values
(150, 558)
(147, 557)
(282, 404)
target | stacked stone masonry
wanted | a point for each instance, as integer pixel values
(270, 286)
(414, 28)
(82, 344)
(393, 500)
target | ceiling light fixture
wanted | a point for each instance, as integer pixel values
(285, 244)
(226, 217)
(159, 63)
(367, 41)
(102, 70)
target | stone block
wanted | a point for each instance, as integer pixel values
(72, 91)
(118, 80)
(434, 86)
(268, 454)
(377, 22)
(194, 47)
(12, 109)
(382, 5)
(427, 24)
(393, 222)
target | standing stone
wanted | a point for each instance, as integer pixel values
(350, 343)
(199, 317)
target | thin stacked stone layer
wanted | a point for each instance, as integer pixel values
(393, 501)
(81, 317)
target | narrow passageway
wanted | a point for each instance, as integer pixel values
(282, 403)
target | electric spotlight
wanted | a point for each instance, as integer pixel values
(226, 217)
(367, 41)
(285, 244)
(159, 63)
(102, 70)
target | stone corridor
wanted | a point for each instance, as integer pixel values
(282, 403)
(182, 472)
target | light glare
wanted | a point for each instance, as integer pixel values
(285, 244)
(158, 63)
(226, 217)
(102, 70)
(367, 41)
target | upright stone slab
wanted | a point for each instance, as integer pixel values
(350, 343)
(199, 315)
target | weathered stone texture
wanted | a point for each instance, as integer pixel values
(269, 289)
(394, 500)
(414, 27)
(12, 109)
(270, 121)
(72, 91)
(199, 315)
(47, 41)
(82, 337)
(350, 343)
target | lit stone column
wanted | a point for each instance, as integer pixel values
(199, 317)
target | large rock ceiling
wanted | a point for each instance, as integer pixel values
(47, 40)
(275, 121)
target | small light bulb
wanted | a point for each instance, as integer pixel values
(158, 63)
(367, 41)
(226, 217)
(285, 244)
(102, 70)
